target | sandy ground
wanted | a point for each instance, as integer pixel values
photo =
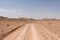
(32, 31)
(8, 26)
(11, 29)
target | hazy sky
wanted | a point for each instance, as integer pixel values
(30, 8)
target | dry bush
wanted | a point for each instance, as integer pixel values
(8, 25)
(49, 23)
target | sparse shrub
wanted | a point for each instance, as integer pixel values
(8, 25)
(50, 23)
(1, 31)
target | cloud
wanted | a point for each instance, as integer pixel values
(10, 12)
(20, 9)
(7, 11)
(1, 9)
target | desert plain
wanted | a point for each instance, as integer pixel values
(29, 29)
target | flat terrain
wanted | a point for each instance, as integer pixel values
(7, 26)
(32, 31)
(26, 29)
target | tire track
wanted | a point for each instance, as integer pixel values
(22, 34)
(35, 32)
(50, 35)
(35, 35)
(11, 36)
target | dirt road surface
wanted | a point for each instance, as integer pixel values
(31, 31)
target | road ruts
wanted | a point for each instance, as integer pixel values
(32, 31)
(21, 35)
(35, 35)
(14, 34)
(48, 34)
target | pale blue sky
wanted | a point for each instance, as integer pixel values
(30, 8)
